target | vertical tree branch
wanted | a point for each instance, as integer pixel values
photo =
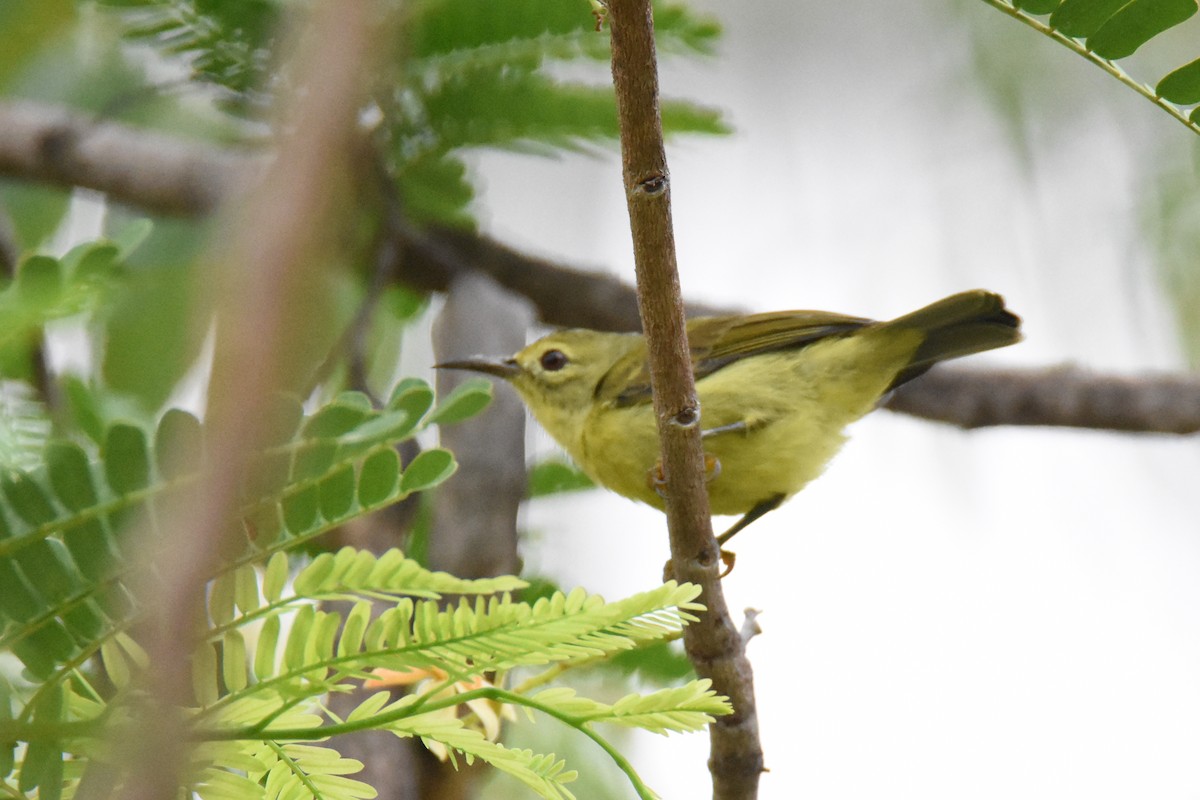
(474, 530)
(713, 644)
(475, 515)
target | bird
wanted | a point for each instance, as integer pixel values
(776, 391)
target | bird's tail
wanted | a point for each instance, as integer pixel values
(959, 325)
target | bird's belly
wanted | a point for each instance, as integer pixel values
(766, 448)
(773, 459)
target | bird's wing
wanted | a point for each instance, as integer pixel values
(716, 342)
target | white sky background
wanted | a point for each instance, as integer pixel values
(1005, 613)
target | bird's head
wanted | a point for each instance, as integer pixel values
(557, 375)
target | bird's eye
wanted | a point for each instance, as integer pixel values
(553, 360)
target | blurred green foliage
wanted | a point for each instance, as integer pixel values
(462, 74)
(465, 73)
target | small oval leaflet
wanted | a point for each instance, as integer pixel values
(464, 402)
(379, 478)
(48, 565)
(17, 601)
(1181, 86)
(1082, 18)
(300, 510)
(85, 621)
(412, 396)
(70, 475)
(126, 459)
(275, 577)
(1137, 23)
(427, 470)
(337, 494)
(27, 499)
(335, 419)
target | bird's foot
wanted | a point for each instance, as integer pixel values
(656, 479)
(728, 558)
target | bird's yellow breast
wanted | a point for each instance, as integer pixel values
(787, 410)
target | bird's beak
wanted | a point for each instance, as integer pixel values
(506, 368)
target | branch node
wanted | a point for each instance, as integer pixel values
(653, 186)
(687, 417)
(750, 626)
(54, 144)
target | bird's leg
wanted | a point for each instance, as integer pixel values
(741, 426)
(728, 557)
(770, 504)
(712, 465)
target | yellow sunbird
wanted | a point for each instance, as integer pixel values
(776, 392)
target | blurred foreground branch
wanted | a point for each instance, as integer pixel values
(168, 175)
(267, 268)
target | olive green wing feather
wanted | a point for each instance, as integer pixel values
(959, 325)
(716, 342)
(715, 346)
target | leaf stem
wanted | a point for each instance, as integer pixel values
(382, 720)
(1077, 47)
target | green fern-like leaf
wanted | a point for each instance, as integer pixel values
(460, 644)
(62, 557)
(258, 703)
(24, 427)
(679, 709)
(226, 43)
(357, 573)
(464, 641)
(1106, 31)
(545, 774)
(301, 770)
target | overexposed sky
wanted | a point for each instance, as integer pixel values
(1004, 613)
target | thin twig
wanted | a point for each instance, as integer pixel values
(1178, 113)
(712, 643)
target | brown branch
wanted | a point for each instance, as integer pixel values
(475, 516)
(713, 643)
(58, 146)
(191, 177)
(1061, 396)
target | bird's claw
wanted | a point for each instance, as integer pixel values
(656, 479)
(728, 558)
